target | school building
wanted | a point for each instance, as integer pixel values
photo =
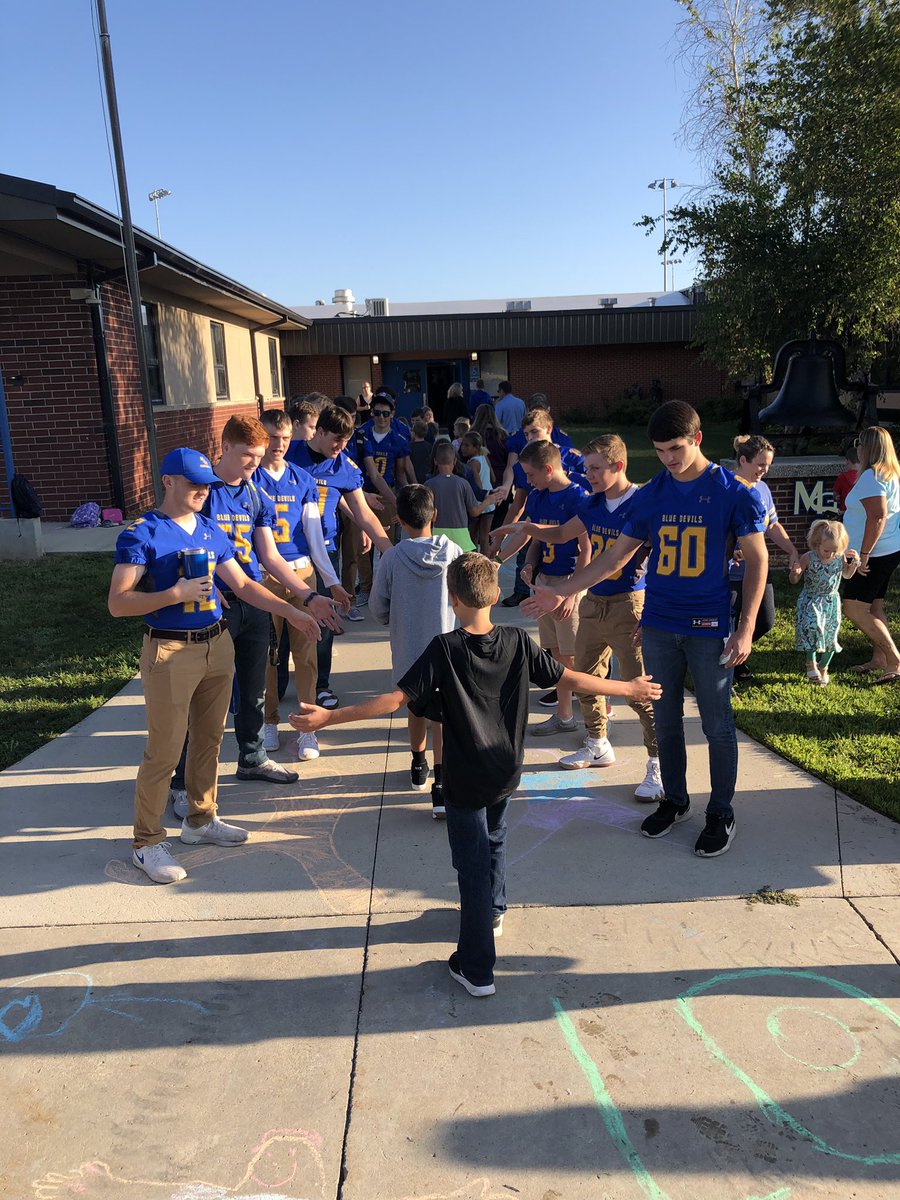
(71, 412)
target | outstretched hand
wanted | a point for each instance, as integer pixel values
(309, 718)
(643, 688)
(541, 601)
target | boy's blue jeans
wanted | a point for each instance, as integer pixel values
(668, 657)
(478, 849)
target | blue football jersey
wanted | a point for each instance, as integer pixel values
(603, 527)
(238, 510)
(556, 508)
(333, 477)
(289, 494)
(385, 453)
(516, 442)
(572, 464)
(691, 529)
(156, 541)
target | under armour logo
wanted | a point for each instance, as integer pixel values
(705, 499)
(207, 537)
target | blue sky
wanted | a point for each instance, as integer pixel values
(417, 150)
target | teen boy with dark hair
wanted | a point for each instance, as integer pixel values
(690, 514)
(475, 681)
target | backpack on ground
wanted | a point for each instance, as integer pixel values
(25, 500)
(86, 516)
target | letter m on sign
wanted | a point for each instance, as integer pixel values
(818, 500)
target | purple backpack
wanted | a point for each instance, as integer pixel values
(86, 516)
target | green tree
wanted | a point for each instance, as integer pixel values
(804, 234)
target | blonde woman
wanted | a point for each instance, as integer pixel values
(872, 521)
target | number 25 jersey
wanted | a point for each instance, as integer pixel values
(691, 529)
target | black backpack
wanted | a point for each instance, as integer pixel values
(25, 500)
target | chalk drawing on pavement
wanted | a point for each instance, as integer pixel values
(771, 1109)
(48, 1012)
(286, 1164)
(305, 835)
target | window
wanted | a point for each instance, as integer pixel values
(273, 366)
(219, 365)
(151, 352)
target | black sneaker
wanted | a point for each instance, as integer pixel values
(512, 601)
(418, 776)
(668, 814)
(742, 673)
(549, 699)
(474, 989)
(438, 811)
(716, 838)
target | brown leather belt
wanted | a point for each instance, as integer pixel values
(187, 635)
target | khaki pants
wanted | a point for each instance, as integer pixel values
(351, 554)
(303, 650)
(606, 626)
(386, 519)
(187, 686)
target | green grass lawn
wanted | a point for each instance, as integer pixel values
(61, 653)
(718, 439)
(845, 733)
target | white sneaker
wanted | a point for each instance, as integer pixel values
(307, 746)
(158, 863)
(213, 833)
(651, 788)
(179, 801)
(271, 738)
(596, 752)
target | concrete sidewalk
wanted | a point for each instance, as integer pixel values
(282, 1023)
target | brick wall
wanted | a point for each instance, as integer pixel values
(317, 373)
(56, 426)
(593, 378)
(121, 355)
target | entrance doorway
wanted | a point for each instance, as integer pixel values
(439, 376)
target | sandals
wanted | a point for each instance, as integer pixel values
(325, 698)
(864, 669)
(889, 677)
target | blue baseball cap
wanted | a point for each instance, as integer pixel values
(190, 463)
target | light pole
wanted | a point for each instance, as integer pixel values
(157, 195)
(664, 184)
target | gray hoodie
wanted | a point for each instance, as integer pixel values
(409, 593)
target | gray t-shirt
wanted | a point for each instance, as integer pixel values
(453, 497)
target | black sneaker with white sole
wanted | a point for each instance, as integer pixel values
(716, 838)
(438, 810)
(549, 699)
(474, 989)
(667, 814)
(418, 776)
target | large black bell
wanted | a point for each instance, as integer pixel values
(808, 396)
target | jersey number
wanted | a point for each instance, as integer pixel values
(599, 543)
(282, 529)
(381, 463)
(682, 551)
(240, 535)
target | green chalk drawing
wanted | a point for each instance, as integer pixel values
(773, 1024)
(612, 1117)
(771, 1110)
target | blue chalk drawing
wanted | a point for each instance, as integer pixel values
(31, 1011)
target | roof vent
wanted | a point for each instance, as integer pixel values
(344, 299)
(379, 307)
(518, 306)
(608, 301)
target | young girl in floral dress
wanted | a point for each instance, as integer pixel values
(819, 605)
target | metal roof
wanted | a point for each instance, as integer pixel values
(505, 331)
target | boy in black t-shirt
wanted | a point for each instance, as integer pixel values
(475, 681)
